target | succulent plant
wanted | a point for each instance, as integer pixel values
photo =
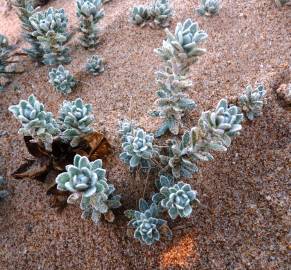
(4, 43)
(178, 52)
(5, 55)
(183, 45)
(209, 7)
(171, 108)
(89, 13)
(179, 160)
(62, 80)
(25, 10)
(75, 119)
(125, 127)
(87, 180)
(139, 15)
(36, 122)
(161, 12)
(251, 101)
(175, 198)
(100, 203)
(50, 29)
(146, 222)
(281, 3)
(223, 123)
(95, 65)
(138, 149)
(3, 192)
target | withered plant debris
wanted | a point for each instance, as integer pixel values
(93, 145)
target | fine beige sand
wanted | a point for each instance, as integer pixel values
(245, 221)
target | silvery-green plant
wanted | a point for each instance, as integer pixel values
(75, 119)
(171, 108)
(5, 55)
(184, 44)
(49, 27)
(62, 80)
(178, 52)
(139, 15)
(89, 13)
(176, 199)
(251, 101)
(223, 123)
(161, 12)
(3, 192)
(100, 203)
(281, 3)
(87, 180)
(35, 121)
(138, 149)
(208, 7)
(125, 127)
(146, 222)
(95, 65)
(25, 9)
(180, 161)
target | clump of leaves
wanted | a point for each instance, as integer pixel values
(25, 9)
(208, 7)
(138, 147)
(95, 65)
(3, 192)
(35, 121)
(281, 3)
(6, 54)
(53, 151)
(183, 45)
(87, 180)
(139, 15)
(89, 13)
(146, 222)
(62, 80)
(176, 199)
(178, 52)
(159, 13)
(223, 123)
(75, 120)
(49, 32)
(252, 101)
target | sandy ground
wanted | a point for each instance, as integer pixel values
(246, 218)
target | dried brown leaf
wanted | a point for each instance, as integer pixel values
(94, 146)
(37, 169)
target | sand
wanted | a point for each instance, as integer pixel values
(245, 221)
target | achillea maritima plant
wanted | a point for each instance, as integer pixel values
(5, 58)
(281, 3)
(176, 199)
(138, 148)
(75, 119)
(25, 10)
(178, 52)
(146, 222)
(209, 7)
(159, 13)
(35, 121)
(3, 192)
(87, 181)
(89, 13)
(62, 80)
(49, 28)
(252, 101)
(95, 65)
